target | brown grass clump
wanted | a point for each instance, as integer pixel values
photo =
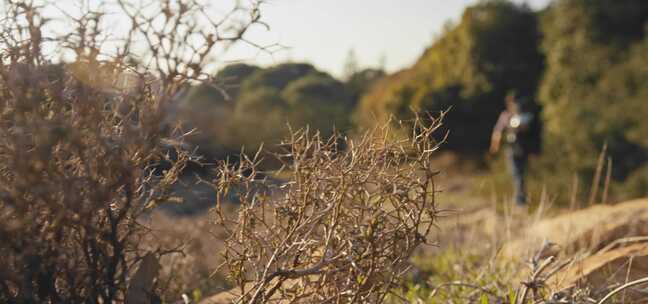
(341, 230)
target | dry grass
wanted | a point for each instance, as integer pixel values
(475, 265)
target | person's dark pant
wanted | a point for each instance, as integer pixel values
(517, 165)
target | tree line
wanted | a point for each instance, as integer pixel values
(581, 64)
(248, 106)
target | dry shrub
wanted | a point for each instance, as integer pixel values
(81, 147)
(342, 229)
(80, 140)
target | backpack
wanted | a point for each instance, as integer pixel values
(529, 134)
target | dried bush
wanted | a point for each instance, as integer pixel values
(80, 139)
(342, 229)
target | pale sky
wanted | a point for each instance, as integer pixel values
(323, 31)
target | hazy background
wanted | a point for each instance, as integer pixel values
(379, 31)
(350, 65)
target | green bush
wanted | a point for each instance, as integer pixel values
(594, 89)
(470, 68)
(258, 105)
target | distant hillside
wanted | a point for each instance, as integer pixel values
(581, 62)
(471, 67)
(249, 105)
(595, 91)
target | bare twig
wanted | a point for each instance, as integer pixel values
(342, 227)
(596, 182)
(623, 287)
(608, 177)
(82, 143)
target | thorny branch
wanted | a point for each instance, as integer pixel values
(82, 139)
(345, 225)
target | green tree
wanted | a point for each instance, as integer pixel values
(278, 76)
(259, 117)
(594, 89)
(470, 68)
(351, 65)
(232, 76)
(360, 82)
(269, 99)
(320, 102)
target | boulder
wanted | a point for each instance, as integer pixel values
(586, 230)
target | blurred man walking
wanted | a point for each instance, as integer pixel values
(513, 126)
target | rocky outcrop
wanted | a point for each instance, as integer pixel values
(587, 230)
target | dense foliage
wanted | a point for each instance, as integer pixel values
(579, 63)
(582, 62)
(594, 91)
(251, 105)
(470, 68)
